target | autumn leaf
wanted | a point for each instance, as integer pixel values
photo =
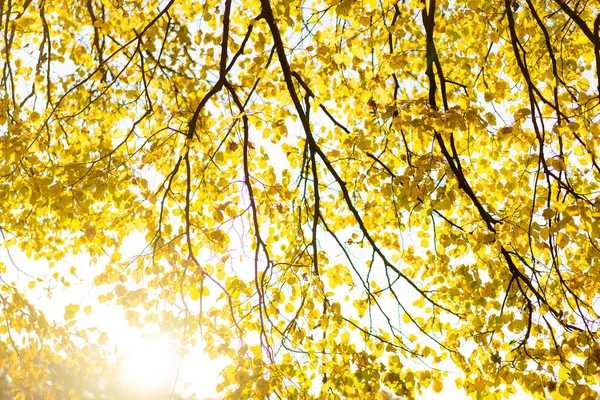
(70, 311)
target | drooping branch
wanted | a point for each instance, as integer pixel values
(287, 74)
(260, 243)
(455, 165)
(222, 73)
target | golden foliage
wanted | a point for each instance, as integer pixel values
(329, 190)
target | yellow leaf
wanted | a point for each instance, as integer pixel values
(103, 338)
(548, 213)
(289, 307)
(70, 311)
(120, 290)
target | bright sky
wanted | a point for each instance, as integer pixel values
(150, 360)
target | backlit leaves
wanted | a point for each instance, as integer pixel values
(326, 191)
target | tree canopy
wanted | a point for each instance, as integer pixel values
(334, 195)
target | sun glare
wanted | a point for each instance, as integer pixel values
(149, 364)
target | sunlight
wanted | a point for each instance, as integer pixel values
(149, 364)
